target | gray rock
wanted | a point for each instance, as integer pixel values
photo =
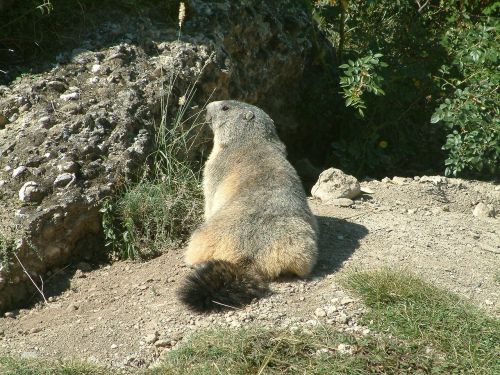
(436, 180)
(483, 210)
(31, 192)
(19, 171)
(70, 96)
(334, 184)
(64, 180)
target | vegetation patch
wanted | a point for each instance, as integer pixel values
(19, 366)
(413, 310)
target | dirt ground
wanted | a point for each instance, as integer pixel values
(125, 315)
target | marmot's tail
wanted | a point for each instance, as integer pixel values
(218, 284)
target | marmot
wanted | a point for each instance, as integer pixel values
(258, 224)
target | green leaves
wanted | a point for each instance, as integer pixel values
(359, 77)
(471, 111)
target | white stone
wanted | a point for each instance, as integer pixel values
(334, 184)
(29, 192)
(95, 68)
(70, 96)
(483, 210)
(19, 171)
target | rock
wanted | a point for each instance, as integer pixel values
(9, 314)
(31, 192)
(366, 190)
(399, 180)
(19, 171)
(64, 180)
(70, 96)
(319, 312)
(151, 338)
(342, 202)
(57, 86)
(44, 122)
(483, 210)
(436, 180)
(114, 346)
(334, 184)
(95, 68)
(69, 166)
(72, 307)
(345, 349)
(386, 180)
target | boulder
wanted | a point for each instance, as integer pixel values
(333, 184)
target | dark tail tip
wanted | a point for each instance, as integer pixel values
(218, 285)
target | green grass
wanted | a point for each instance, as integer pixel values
(413, 310)
(18, 366)
(260, 351)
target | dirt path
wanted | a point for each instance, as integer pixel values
(126, 314)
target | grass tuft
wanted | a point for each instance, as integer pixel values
(411, 309)
(19, 366)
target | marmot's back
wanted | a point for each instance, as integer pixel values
(257, 219)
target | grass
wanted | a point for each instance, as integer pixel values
(160, 210)
(411, 309)
(261, 351)
(420, 330)
(19, 366)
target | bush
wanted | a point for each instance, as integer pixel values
(470, 110)
(419, 41)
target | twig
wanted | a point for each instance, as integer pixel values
(223, 304)
(29, 276)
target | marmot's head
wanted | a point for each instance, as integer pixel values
(233, 121)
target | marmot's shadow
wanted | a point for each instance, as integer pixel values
(338, 239)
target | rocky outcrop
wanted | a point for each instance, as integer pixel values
(71, 136)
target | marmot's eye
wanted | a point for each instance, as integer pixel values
(225, 107)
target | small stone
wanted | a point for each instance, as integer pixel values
(64, 180)
(19, 171)
(319, 312)
(114, 346)
(72, 307)
(436, 210)
(399, 180)
(2, 183)
(367, 190)
(483, 210)
(30, 192)
(9, 314)
(69, 166)
(386, 180)
(70, 96)
(150, 339)
(44, 122)
(342, 202)
(345, 349)
(95, 68)
(411, 211)
(488, 302)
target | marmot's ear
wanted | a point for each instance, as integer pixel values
(249, 115)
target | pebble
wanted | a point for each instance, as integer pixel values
(151, 338)
(30, 192)
(70, 96)
(9, 314)
(342, 202)
(319, 312)
(114, 346)
(19, 171)
(64, 180)
(483, 210)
